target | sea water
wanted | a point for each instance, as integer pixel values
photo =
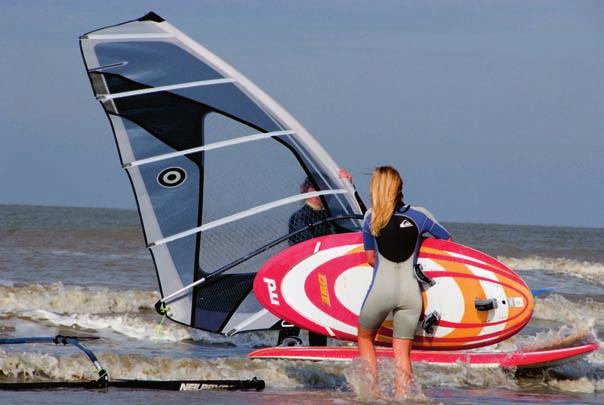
(86, 271)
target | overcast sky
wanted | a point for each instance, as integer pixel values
(492, 111)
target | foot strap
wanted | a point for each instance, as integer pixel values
(486, 304)
(422, 277)
(430, 321)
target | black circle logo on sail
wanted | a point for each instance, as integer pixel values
(171, 177)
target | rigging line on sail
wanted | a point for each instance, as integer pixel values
(250, 255)
(243, 214)
(199, 83)
(210, 146)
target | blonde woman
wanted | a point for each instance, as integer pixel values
(391, 235)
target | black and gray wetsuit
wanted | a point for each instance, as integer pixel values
(394, 287)
(308, 215)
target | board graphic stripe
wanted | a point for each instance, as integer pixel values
(461, 275)
(453, 259)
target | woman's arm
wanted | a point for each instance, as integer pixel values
(432, 227)
(370, 257)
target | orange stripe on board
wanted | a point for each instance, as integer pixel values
(433, 251)
(357, 249)
(471, 289)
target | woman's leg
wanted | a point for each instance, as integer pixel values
(367, 352)
(403, 371)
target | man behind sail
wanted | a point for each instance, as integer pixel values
(311, 212)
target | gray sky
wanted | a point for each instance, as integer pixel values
(492, 111)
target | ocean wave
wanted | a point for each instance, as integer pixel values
(557, 308)
(278, 374)
(106, 256)
(589, 270)
(140, 328)
(581, 385)
(59, 298)
(565, 336)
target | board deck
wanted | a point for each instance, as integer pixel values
(320, 285)
(529, 359)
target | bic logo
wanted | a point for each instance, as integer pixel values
(272, 290)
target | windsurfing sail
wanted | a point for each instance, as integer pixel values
(215, 165)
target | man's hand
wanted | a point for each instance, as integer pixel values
(345, 174)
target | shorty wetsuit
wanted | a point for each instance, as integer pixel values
(394, 287)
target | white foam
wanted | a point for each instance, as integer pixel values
(582, 385)
(278, 374)
(555, 307)
(59, 298)
(553, 338)
(584, 269)
(104, 256)
(137, 327)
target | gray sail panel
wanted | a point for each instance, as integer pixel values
(135, 143)
(174, 263)
(152, 63)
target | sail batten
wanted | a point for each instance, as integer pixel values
(208, 147)
(246, 213)
(165, 88)
(214, 205)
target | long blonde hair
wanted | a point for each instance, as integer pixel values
(386, 190)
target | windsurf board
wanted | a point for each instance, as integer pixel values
(320, 284)
(519, 359)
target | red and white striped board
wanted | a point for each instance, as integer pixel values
(320, 285)
(530, 359)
